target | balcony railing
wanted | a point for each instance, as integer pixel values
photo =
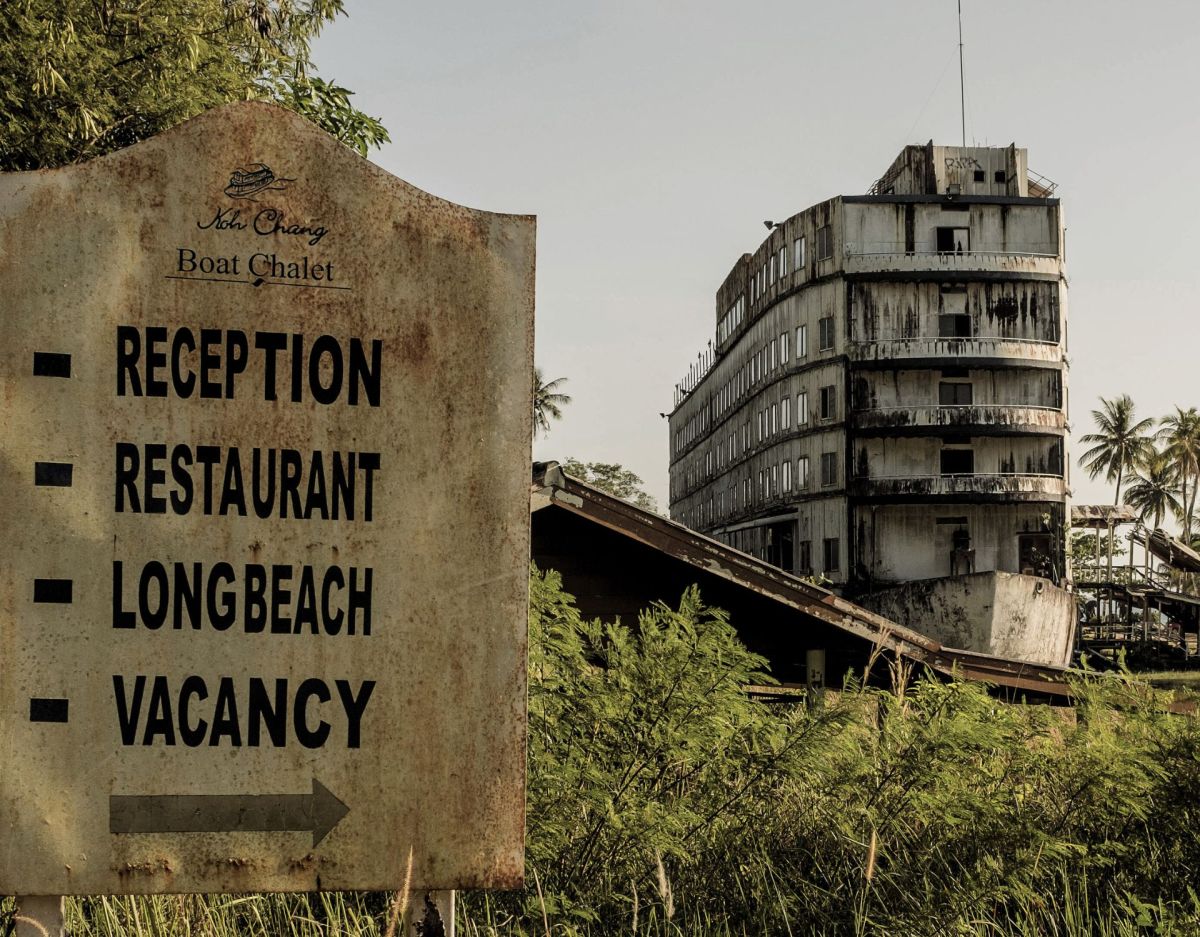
(1012, 485)
(887, 257)
(983, 348)
(1000, 417)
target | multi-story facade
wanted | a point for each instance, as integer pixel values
(885, 400)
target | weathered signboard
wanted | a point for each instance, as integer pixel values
(264, 497)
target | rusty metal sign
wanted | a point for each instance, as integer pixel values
(264, 494)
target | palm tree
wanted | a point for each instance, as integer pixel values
(1153, 492)
(1117, 448)
(1180, 436)
(1119, 445)
(547, 402)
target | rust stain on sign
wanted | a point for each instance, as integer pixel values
(240, 647)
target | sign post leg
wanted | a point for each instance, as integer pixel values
(40, 916)
(430, 914)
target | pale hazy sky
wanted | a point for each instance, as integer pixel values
(653, 139)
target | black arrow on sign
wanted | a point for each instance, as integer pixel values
(319, 811)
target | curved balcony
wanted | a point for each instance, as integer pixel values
(979, 419)
(977, 487)
(936, 351)
(884, 259)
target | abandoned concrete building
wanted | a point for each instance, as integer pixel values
(884, 402)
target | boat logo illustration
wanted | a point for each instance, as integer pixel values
(252, 179)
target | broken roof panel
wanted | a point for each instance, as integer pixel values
(1102, 515)
(554, 490)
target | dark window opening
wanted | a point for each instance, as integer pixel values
(953, 240)
(980, 175)
(832, 554)
(780, 545)
(829, 463)
(828, 402)
(1033, 554)
(825, 329)
(1000, 176)
(824, 242)
(958, 461)
(954, 325)
(804, 560)
(955, 394)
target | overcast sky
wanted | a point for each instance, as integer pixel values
(653, 139)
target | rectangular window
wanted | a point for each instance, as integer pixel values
(746, 491)
(783, 348)
(824, 242)
(833, 551)
(774, 419)
(804, 558)
(771, 267)
(761, 420)
(774, 480)
(801, 341)
(802, 408)
(774, 354)
(782, 262)
(828, 402)
(798, 255)
(953, 240)
(785, 413)
(802, 472)
(958, 462)
(762, 484)
(954, 325)
(1000, 177)
(825, 329)
(787, 475)
(829, 464)
(954, 394)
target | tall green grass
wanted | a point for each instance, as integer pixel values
(665, 801)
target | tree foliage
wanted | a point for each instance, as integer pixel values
(79, 78)
(1119, 443)
(1179, 434)
(614, 478)
(548, 401)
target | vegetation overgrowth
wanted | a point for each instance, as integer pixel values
(665, 800)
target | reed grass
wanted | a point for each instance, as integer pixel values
(663, 801)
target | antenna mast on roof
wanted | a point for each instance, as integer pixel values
(962, 91)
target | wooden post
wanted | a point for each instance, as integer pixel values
(430, 914)
(40, 916)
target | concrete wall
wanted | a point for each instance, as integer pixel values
(1024, 617)
(989, 387)
(814, 520)
(1023, 309)
(900, 227)
(933, 169)
(887, 457)
(901, 542)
